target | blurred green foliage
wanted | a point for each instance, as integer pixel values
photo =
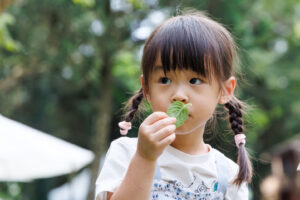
(5, 38)
(10, 191)
(53, 51)
(85, 3)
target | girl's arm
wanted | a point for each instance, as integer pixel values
(155, 133)
(137, 183)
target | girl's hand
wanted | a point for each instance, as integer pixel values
(155, 133)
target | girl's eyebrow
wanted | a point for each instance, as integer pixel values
(157, 68)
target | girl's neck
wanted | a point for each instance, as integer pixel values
(191, 143)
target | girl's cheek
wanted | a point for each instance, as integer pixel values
(160, 103)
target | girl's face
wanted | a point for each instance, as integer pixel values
(185, 86)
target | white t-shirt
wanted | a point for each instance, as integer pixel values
(178, 175)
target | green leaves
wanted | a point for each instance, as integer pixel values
(6, 40)
(179, 110)
(85, 3)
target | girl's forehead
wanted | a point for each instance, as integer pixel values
(159, 67)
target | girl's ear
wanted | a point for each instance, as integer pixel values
(145, 90)
(228, 90)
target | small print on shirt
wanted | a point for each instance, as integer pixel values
(171, 190)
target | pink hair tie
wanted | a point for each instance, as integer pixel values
(125, 126)
(240, 139)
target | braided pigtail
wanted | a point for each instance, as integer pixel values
(133, 105)
(236, 121)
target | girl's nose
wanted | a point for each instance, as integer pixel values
(180, 95)
(183, 100)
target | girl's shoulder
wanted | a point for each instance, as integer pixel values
(121, 149)
(124, 143)
(225, 163)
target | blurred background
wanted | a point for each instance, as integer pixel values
(68, 66)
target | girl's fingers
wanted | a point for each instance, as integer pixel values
(167, 140)
(164, 132)
(158, 125)
(154, 117)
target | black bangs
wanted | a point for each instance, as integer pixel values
(180, 48)
(190, 42)
(183, 44)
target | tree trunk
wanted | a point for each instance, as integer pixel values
(103, 121)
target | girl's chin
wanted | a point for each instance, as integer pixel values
(181, 133)
(188, 128)
(181, 130)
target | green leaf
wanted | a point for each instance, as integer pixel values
(85, 3)
(179, 110)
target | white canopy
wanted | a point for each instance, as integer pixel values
(26, 153)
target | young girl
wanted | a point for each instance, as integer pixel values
(188, 58)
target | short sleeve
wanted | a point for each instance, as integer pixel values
(233, 191)
(237, 193)
(115, 166)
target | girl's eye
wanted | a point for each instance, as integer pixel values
(165, 80)
(195, 81)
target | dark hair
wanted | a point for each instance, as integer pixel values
(235, 109)
(194, 41)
